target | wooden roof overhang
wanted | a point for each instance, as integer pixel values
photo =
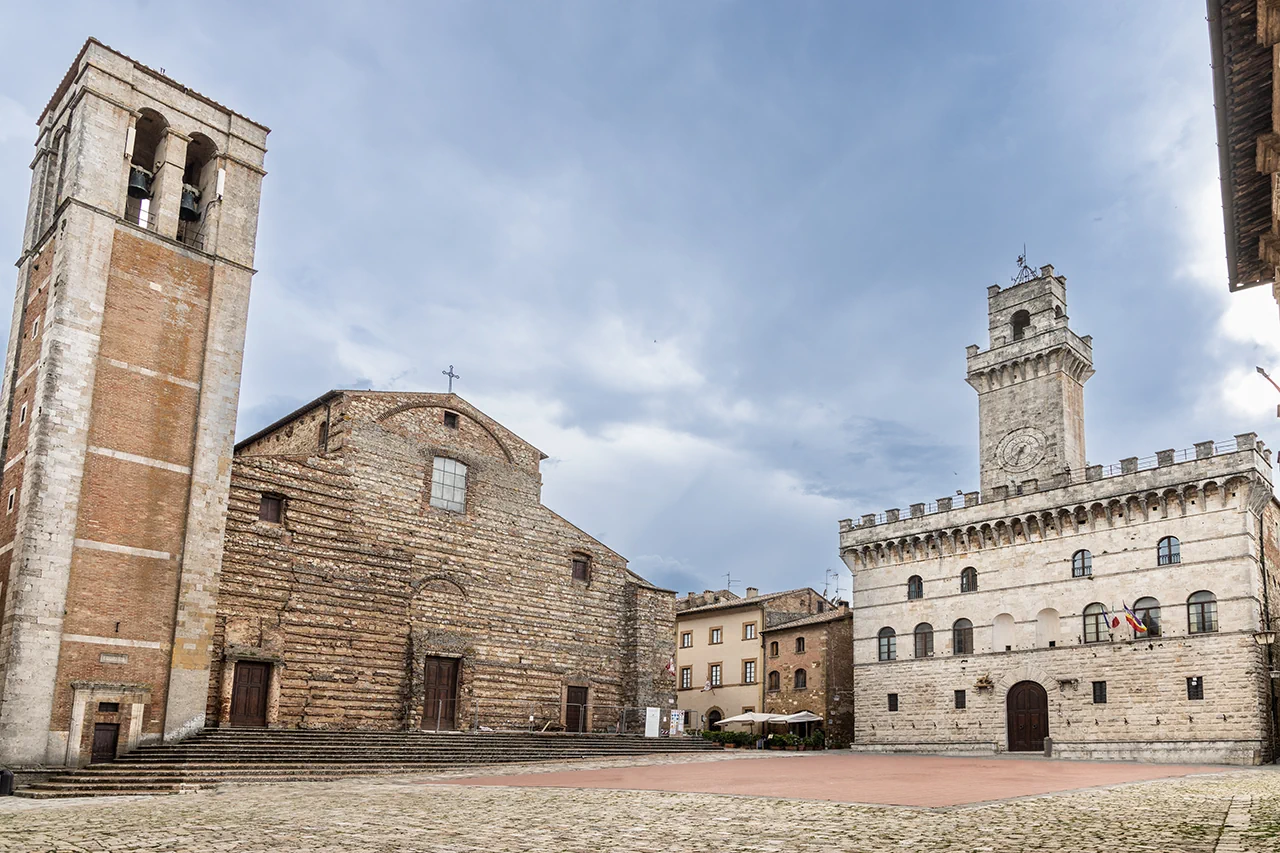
(1247, 144)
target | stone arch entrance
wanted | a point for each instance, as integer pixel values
(1028, 716)
(714, 716)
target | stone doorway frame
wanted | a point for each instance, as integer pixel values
(133, 699)
(226, 687)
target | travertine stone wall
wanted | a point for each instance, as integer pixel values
(364, 578)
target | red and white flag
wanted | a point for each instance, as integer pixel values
(671, 667)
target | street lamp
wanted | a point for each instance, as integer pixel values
(1264, 638)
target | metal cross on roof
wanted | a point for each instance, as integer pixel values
(452, 376)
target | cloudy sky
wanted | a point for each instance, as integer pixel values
(719, 260)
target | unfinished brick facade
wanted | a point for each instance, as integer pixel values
(120, 393)
(365, 588)
(821, 646)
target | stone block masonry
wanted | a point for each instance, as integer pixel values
(363, 583)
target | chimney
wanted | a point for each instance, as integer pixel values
(752, 592)
(843, 605)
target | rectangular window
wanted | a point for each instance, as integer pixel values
(717, 636)
(12, 492)
(748, 672)
(35, 328)
(686, 677)
(271, 509)
(686, 640)
(581, 567)
(451, 420)
(1195, 687)
(22, 414)
(448, 484)
(108, 707)
(714, 672)
(1099, 692)
(748, 709)
(893, 701)
(748, 630)
(960, 700)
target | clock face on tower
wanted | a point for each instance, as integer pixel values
(1021, 450)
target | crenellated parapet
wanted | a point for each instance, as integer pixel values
(1171, 483)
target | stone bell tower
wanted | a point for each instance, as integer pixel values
(1030, 384)
(121, 382)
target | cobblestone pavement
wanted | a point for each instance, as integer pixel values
(1183, 815)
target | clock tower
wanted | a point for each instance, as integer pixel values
(1030, 384)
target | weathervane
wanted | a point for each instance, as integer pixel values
(452, 376)
(1025, 273)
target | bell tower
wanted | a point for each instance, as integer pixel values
(121, 383)
(1030, 383)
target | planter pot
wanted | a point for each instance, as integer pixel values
(730, 746)
(791, 749)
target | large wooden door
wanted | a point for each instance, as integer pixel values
(249, 694)
(440, 705)
(575, 710)
(106, 736)
(1028, 716)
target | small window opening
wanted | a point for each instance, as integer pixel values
(451, 420)
(108, 707)
(581, 567)
(960, 700)
(1099, 692)
(22, 414)
(324, 436)
(35, 328)
(1195, 687)
(893, 701)
(271, 509)
(12, 493)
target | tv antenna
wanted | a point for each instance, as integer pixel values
(729, 581)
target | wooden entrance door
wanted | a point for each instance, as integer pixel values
(1028, 717)
(575, 710)
(106, 736)
(249, 694)
(440, 705)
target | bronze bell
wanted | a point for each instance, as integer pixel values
(188, 211)
(139, 183)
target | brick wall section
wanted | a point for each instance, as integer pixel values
(364, 578)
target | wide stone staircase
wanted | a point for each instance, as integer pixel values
(216, 756)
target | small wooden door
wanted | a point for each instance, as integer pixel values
(106, 737)
(249, 694)
(1028, 717)
(575, 710)
(440, 705)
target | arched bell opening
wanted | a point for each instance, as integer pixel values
(148, 134)
(199, 177)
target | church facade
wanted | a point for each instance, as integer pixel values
(389, 564)
(1097, 611)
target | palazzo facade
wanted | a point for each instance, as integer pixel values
(997, 621)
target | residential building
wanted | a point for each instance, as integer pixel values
(809, 667)
(719, 648)
(999, 622)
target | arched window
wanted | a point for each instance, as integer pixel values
(1096, 629)
(915, 588)
(962, 637)
(1147, 609)
(802, 679)
(969, 580)
(924, 640)
(1021, 320)
(1081, 564)
(775, 680)
(1168, 552)
(888, 644)
(714, 716)
(1202, 613)
(773, 649)
(799, 644)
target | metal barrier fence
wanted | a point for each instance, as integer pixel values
(544, 715)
